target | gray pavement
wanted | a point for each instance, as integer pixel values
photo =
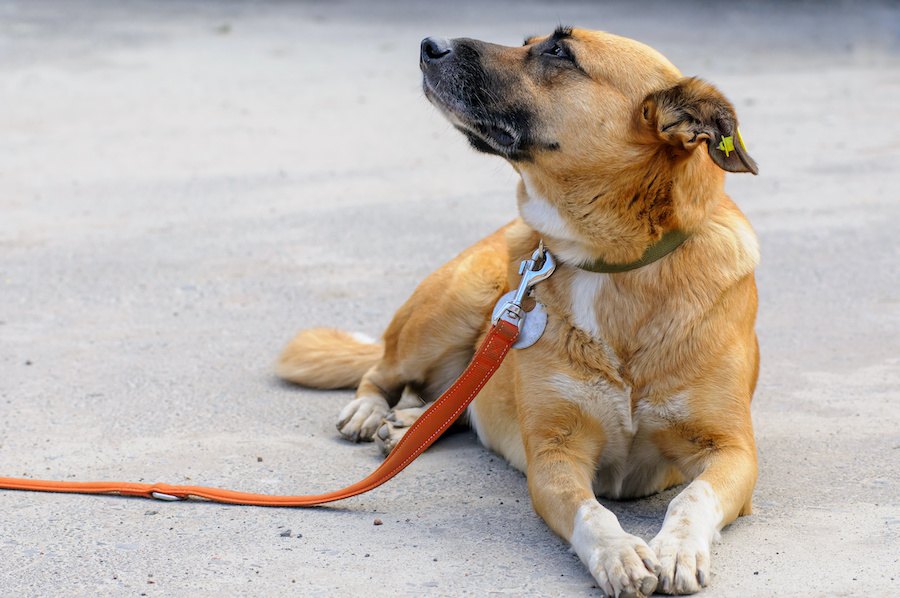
(185, 185)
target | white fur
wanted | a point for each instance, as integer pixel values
(748, 242)
(584, 291)
(696, 510)
(543, 217)
(692, 524)
(362, 337)
(616, 559)
(594, 525)
(362, 416)
(573, 253)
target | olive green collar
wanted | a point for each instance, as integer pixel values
(668, 243)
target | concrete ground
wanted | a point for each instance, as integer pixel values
(185, 185)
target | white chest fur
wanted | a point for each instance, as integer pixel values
(543, 216)
(585, 292)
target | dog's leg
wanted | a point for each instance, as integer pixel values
(720, 494)
(563, 446)
(360, 418)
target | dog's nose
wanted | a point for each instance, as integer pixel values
(434, 48)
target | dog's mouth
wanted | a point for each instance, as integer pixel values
(487, 133)
(501, 136)
(496, 140)
(485, 103)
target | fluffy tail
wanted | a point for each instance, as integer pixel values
(328, 358)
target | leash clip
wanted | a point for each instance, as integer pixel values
(534, 270)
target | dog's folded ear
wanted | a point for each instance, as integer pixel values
(693, 111)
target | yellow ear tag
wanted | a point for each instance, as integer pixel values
(727, 144)
(741, 140)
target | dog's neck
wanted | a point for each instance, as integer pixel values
(616, 216)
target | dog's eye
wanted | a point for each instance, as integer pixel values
(557, 51)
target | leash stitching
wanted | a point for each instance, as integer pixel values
(491, 369)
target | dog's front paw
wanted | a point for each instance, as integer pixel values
(624, 568)
(685, 563)
(361, 417)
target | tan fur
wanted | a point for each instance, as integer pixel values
(642, 379)
(327, 358)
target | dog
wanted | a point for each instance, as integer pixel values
(644, 374)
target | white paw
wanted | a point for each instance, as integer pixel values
(361, 417)
(394, 427)
(684, 560)
(624, 567)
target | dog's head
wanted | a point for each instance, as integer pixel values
(590, 120)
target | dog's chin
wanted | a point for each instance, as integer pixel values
(484, 134)
(494, 140)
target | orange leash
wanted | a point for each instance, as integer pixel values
(419, 437)
(508, 320)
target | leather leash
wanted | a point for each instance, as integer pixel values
(446, 409)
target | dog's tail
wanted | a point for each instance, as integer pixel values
(328, 358)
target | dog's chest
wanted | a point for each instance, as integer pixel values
(575, 312)
(631, 463)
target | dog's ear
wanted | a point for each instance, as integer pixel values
(693, 111)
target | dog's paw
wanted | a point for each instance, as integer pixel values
(361, 417)
(624, 568)
(394, 427)
(684, 562)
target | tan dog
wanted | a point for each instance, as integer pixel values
(643, 378)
